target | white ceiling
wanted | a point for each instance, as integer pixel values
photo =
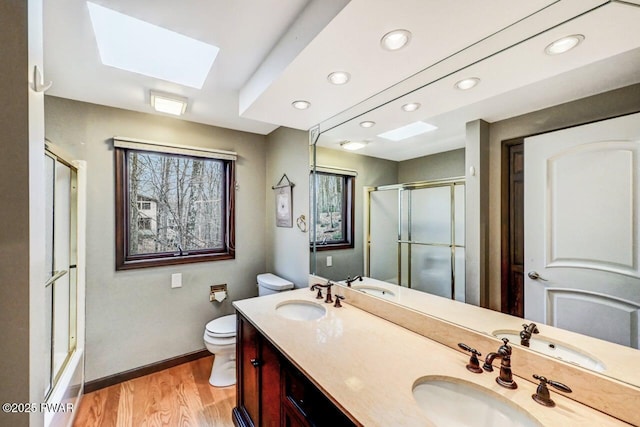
(277, 51)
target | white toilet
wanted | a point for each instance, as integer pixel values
(220, 334)
(220, 339)
(271, 284)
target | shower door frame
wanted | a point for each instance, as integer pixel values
(447, 182)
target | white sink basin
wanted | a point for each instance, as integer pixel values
(554, 349)
(300, 310)
(375, 291)
(450, 402)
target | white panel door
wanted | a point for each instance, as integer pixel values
(582, 207)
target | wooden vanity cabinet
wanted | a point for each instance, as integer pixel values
(258, 379)
(271, 392)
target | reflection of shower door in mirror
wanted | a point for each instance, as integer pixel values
(582, 229)
(416, 237)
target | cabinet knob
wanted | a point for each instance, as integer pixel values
(255, 362)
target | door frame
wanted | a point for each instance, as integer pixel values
(509, 210)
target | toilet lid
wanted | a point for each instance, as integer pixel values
(223, 327)
(273, 282)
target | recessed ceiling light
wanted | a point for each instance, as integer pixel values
(301, 105)
(467, 84)
(339, 77)
(408, 131)
(412, 106)
(352, 145)
(137, 46)
(367, 124)
(395, 40)
(167, 103)
(564, 44)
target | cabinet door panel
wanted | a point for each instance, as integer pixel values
(269, 385)
(248, 395)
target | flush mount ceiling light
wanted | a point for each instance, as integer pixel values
(395, 40)
(339, 77)
(352, 145)
(408, 131)
(466, 84)
(301, 105)
(133, 45)
(367, 124)
(564, 44)
(412, 106)
(169, 104)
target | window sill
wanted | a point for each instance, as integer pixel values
(132, 264)
(332, 247)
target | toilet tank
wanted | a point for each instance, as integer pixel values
(270, 284)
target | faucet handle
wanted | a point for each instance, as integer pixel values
(474, 364)
(319, 288)
(542, 395)
(337, 303)
(505, 349)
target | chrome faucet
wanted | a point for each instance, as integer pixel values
(505, 379)
(349, 280)
(525, 334)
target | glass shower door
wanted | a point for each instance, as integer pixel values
(416, 237)
(60, 252)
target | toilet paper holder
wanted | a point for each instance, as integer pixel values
(218, 293)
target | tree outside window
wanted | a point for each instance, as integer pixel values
(172, 209)
(333, 215)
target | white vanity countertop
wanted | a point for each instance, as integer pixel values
(368, 366)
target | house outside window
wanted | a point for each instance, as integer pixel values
(172, 207)
(334, 210)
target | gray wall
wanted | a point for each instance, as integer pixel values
(287, 250)
(371, 172)
(597, 107)
(134, 318)
(476, 212)
(436, 166)
(22, 271)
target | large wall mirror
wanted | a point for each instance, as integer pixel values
(443, 172)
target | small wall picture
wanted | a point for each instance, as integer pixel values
(284, 214)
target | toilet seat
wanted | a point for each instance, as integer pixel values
(217, 341)
(222, 327)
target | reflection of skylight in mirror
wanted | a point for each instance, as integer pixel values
(408, 131)
(133, 45)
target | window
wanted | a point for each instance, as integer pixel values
(172, 208)
(144, 206)
(334, 210)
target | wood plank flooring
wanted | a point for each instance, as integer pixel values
(180, 396)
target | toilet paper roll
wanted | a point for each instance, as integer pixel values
(220, 296)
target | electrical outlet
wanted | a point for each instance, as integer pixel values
(329, 261)
(176, 280)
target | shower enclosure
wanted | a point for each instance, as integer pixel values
(416, 236)
(64, 287)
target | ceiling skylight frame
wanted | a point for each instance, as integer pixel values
(408, 131)
(133, 45)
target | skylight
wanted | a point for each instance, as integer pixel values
(133, 45)
(404, 132)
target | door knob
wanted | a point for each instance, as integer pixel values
(533, 275)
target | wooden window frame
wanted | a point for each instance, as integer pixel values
(126, 261)
(348, 213)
